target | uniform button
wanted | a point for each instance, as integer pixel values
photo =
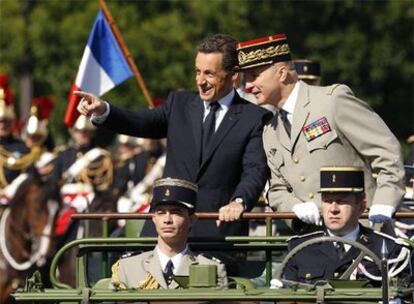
(307, 276)
(79, 154)
(295, 160)
(311, 195)
(302, 178)
(336, 274)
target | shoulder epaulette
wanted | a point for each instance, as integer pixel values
(299, 236)
(60, 149)
(129, 254)
(210, 257)
(332, 88)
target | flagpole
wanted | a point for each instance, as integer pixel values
(126, 52)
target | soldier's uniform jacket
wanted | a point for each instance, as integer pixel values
(131, 171)
(12, 147)
(144, 271)
(331, 127)
(66, 156)
(320, 261)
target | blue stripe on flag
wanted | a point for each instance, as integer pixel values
(107, 52)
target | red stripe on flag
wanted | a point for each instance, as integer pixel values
(71, 112)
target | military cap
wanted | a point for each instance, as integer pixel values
(342, 179)
(174, 191)
(307, 69)
(263, 51)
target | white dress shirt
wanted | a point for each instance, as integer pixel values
(353, 235)
(290, 103)
(176, 260)
(225, 103)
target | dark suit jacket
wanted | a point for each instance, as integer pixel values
(234, 166)
(321, 262)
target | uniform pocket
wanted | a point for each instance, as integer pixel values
(322, 142)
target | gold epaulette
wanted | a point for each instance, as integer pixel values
(118, 285)
(148, 283)
(332, 88)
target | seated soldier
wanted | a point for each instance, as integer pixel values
(173, 206)
(343, 201)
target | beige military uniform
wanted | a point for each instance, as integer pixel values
(331, 127)
(144, 271)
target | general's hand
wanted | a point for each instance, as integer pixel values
(230, 212)
(90, 104)
(308, 212)
(380, 213)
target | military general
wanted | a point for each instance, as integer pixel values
(318, 126)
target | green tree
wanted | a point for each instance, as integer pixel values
(367, 45)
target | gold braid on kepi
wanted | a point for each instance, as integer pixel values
(148, 283)
(118, 285)
(99, 173)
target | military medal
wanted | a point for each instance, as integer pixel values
(316, 129)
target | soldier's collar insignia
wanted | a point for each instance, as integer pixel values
(316, 129)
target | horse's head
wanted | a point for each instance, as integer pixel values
(31, 218)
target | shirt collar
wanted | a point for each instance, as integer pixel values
(290, 103)
(224, 102)
(176, 260)
(353, 235)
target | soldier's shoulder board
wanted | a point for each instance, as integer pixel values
(332, 88)
(130, 254)
(302, 236)
(209, 257)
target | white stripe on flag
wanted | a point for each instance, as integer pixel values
(91, 76)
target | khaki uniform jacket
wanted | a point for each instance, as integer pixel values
(133, 271)
(357, 137)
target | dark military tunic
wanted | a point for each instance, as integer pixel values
(67, 155)
(321, 261)
(131, 171)
(11, 147)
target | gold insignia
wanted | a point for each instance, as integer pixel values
(305, 68)
(265, 53)
(167, 192)
(148, 283)
(333, 178)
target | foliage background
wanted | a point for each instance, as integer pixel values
(368, 45)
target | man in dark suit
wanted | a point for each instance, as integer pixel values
(343, 201)
(214, 137)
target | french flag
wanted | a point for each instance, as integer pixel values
(103, 66)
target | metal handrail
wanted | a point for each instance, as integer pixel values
(214, 215)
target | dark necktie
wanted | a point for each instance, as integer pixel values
(340, 250)
(209, 125)
(168, 274)
(286, 123)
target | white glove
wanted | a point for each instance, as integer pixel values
(308, 212)
(379, 213)
(276, 284)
